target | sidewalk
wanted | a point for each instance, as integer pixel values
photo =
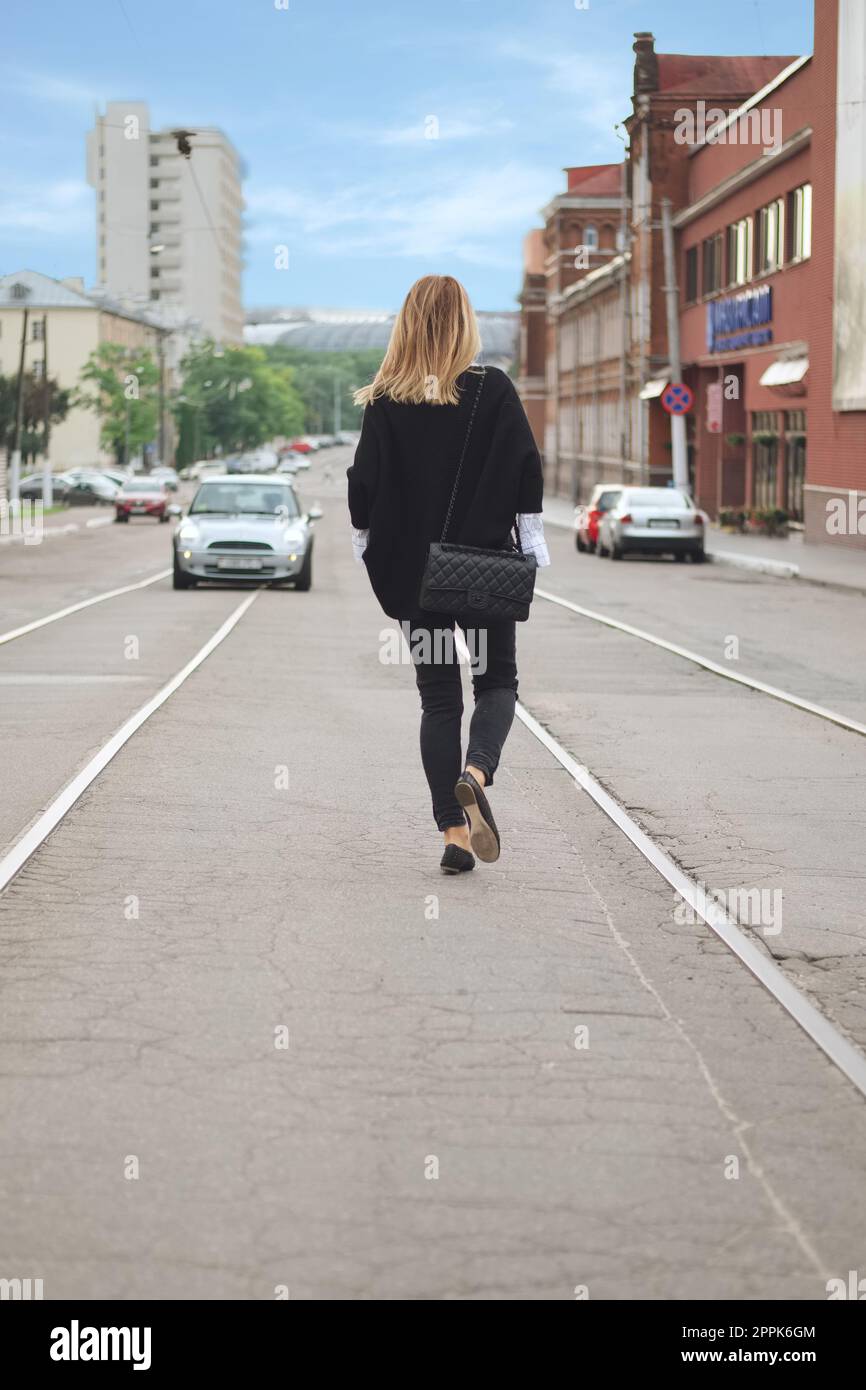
(833, 565)
(791, 557)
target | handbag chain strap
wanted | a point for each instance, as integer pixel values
(463, 455)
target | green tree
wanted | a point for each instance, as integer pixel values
(319, 375)
(122, 386)
(32, 414)
(234, 398)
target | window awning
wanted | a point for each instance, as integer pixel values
(652, 389)
(785, 371)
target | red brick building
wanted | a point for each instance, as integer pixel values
(836, 458)
(745, 271)
(533, 333)
(772, 299)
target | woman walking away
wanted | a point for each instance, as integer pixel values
(446, 455)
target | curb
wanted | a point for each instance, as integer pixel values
(782, 569)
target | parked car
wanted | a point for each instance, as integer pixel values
(301, 446)
(587, 517)
(655, 521)
(167, 475)
(288, 463)
(89, 489)
(142, 497)
(348, 437)
(246, 526)
(30, 488)
(203, 468)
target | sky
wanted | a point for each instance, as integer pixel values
(332, 105)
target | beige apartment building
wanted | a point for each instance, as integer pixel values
(168, 226)
(70, 323)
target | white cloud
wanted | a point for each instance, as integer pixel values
(596, 84)
(465, 215)
(42, 86)
(59, 210)
(421, 131)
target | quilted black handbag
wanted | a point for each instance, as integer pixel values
(471, 584)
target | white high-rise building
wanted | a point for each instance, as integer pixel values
(169, 227)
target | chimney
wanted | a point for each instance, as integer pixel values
(646, 64)
(73, 282)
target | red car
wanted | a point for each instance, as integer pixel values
(300, 446)
(586, 518)
(142, 497)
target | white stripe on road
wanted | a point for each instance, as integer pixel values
(50, 819)
(77, 607)
(100, 521)
(750, 682)
(845, 1056)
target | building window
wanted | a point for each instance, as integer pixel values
(800, 223)
(711, 278)
(771, 238)
(765, 454)
(590, 237)
(19, 291)
(795, 462)
(154, 183)
(154, 160)
(154, 205)
(38, 330)
(740, 252)
(691, 274)
(38, 369)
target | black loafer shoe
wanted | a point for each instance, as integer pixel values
(483, 835)
(456, 860)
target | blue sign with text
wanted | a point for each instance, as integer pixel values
(740, 321)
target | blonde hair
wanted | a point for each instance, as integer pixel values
(435, 337)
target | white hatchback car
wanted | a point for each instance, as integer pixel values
(654, 521)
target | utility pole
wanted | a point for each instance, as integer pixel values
(15, 476)
(160, 354)
(126, 440)
(47, 484)
(679, 450)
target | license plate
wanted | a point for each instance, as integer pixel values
(670, 524)
(138, 509)
(238, 562)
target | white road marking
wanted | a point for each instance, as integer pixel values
(51, 818)
(841, 1053)
(100, 521)
(77, 607)
(750, 682)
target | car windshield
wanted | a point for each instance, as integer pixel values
(242, 499)
(666, 497)
(606, 501)
(143, 485)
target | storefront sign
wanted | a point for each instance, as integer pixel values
(740, 321)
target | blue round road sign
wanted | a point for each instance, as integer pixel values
(677, 398)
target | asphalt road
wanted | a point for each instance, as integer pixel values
(252, 1039)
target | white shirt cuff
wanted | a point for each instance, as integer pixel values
(359, 543)
(531, 530)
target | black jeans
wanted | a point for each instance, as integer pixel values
(494, 682)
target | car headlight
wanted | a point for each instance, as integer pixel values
(188, 534)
